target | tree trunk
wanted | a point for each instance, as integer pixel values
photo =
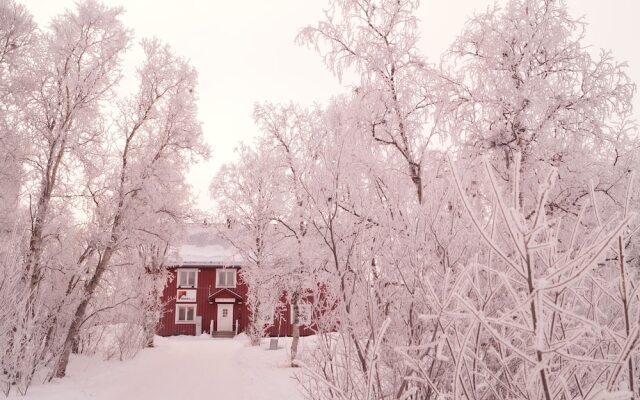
(34, 255)
(255, 330)
(74, 329)
(415, 171)
(150, 322)
(149, 336)
(295, 334)
(536, 318)
(625, 308)
(152, 311)
(78, 317)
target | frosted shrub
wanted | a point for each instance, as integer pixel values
(534, 316)
(119, 341)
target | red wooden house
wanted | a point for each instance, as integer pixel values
(205, 292)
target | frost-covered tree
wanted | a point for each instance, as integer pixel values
(78, 68)
(18, 38)
(64, 79)
(286, 132)
(525, 83)
(159, 135)
(423, 301)
(127, 307)
(377, 40)
(88, 179)
(248, 195)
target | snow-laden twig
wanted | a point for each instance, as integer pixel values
(484, 235)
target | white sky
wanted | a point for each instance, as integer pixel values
(245, 53)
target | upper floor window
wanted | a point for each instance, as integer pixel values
(187, 278)
(226, 278)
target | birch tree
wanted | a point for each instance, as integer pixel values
(18, 37)
(377, 40)
(87, 180)
(248, 195)
(418, 290)
(69, 73)
(159, 135)
(525, 83)
(79, 68)
(286, 129)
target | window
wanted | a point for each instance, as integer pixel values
(304, 314)
(187, 278)
(186, 313)
(226, 278)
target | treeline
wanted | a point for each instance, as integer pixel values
(467, 228)
(92, 187)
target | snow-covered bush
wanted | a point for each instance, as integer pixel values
(533, 315)
(118, 341)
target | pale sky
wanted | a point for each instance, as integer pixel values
(245, 53)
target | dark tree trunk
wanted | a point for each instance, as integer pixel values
(79, 316)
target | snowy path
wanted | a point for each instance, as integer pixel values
(179, 368)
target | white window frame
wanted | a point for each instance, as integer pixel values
(195, 313)
(195, 279)
(303, 316)
(226, 271)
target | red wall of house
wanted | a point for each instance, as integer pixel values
(206, 285)
(282, 321)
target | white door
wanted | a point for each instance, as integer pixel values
(225, 317)
(198, 325)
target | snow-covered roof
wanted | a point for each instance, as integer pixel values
(204, 246)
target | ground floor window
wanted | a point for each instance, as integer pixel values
(185, 313)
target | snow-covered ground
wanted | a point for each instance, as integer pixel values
(180, 368)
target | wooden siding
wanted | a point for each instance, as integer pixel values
(282, 320)
(206, 307)
(206, 285)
